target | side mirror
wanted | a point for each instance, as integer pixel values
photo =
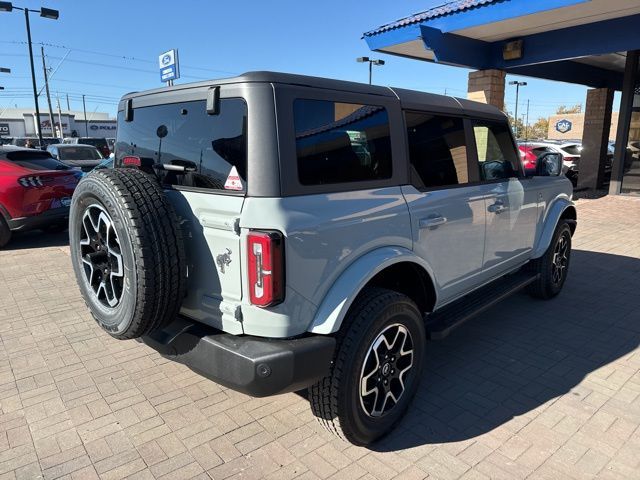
(549, 165)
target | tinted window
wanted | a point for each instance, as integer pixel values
(573, 149)
(35, 160)
(78, 153)
(341, 142)
(497, 157)
(96, 142)
(211, 149)
(540, 150)
(437, 150)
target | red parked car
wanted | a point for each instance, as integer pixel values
(35, 191)
(530, 153)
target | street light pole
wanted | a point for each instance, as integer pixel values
(46, 13)
(371, 62)
(518, 85)
(33, 78)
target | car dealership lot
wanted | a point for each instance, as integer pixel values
(530, 388)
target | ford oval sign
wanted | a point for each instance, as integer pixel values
(563, 126)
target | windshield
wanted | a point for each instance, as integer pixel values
(96, 142)
(79, 153)
(35, 160)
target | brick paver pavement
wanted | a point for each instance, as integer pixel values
(530, 389)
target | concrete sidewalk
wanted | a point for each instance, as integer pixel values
(530, 389)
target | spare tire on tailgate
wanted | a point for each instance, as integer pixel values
(127, 251)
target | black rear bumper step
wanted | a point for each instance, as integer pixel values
(253, 365)
(440, 323)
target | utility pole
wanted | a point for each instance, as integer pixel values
(46, 84)
(68, 107)
(526, 127)
(86, 123)
(33, 78)
(59, 116)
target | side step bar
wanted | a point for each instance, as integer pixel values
(440, 323)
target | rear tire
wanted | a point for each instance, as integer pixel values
(5, 232)
(553, 266)
(127, 251)
(349, 402)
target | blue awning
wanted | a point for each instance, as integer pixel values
(577, 41)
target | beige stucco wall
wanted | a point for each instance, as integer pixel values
(577, 119)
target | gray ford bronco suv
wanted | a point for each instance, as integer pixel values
(277, 232)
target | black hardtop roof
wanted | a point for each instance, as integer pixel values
(408, 98)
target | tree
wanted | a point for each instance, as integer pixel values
(563, 109)
(540, 129)
(517, 126)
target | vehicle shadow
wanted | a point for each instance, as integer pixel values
(524, 352)
(36, 239)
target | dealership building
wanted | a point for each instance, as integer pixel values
(20, 122)
(595, 43)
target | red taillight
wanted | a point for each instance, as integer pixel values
(266, 268)
(132, 161)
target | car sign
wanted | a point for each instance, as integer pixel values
(563, 126)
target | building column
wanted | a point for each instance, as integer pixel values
(595, 138)
(487, 86)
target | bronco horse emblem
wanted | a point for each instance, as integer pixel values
(223, 260)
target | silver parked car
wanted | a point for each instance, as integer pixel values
(276, 232)
(84, 157)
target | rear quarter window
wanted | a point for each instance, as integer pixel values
(341, 142)
(35, 160)
(211, 149)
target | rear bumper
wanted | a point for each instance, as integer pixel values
(48, 217)
(253, 365)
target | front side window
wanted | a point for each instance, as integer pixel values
(189, 147)
(341, 142)
(437, 150)
(497, 156)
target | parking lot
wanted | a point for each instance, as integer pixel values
(530, 389)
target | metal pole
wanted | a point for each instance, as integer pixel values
(370, 70)
(59, 116)
(624, 121)
(526, 126)
(33, 77)
(86, 123)
(68, 106)
(46, 84)
(515, 121)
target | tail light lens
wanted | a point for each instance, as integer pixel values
(31, 181)
(131, 161)
(266, 268)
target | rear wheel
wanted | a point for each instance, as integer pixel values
(5, 232)
(376, 368)
(553, 266)
(127, 252)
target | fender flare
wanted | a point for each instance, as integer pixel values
(345, 289)
(554, 213)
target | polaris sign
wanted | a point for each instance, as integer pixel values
(169, 67)
(563, 126)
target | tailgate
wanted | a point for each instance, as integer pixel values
(212, 243)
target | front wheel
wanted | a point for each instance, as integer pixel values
(376, 368)
(553, 266)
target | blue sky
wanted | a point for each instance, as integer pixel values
(112, 47)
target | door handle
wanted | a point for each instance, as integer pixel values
(497, 207)
(432, 222)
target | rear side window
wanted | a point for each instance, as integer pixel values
(573, 149)
(341, 142)
(35, 160)
(79, 153)
(497, 156)
(197, 150)
(437, 150)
